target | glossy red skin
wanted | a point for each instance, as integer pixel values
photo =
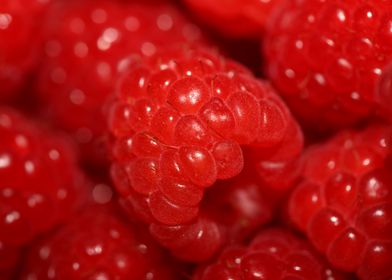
(20, 23)
(179, 123)
(344, 202)
(384, 91)
(98, 244)
(326, 58)
(86, 45)
(274, 254)
(40, 182)
(234, 18)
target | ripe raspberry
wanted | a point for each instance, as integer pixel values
(39, 180)
(9, 260)
(344, 203)
(99, 245)
(273, 254)
(179, 122)
(86, 45)
(326, 58)
(19, 27)
(238, 18)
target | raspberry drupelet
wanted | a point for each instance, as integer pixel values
(274, 254)
(326, 58)
(98, 244)
(40, 183)
(180, 122)
(344, 201)
(234, 18)
(86, 46)
(20, 23)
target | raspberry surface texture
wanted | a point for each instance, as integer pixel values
(179, 123)
(326, 58)
(40, 183)
(98, 244)
(274, 254)
(234, 18)
(344, 202)
(20, 23)
(87, 44)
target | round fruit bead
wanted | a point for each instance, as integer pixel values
(274, 254)
(86, 45)
(326, 58)
(98, 244)
(344, 201)
(180, 122)
(40, 183)
(234, 18)
(20, 23)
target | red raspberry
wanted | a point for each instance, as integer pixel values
(237, 18)
(344, 203)
(179, 122)
(86, 45)
(9, 260)
(326, 58)
(39, 180)
(19, 39)
(274, 254)
(99, 245)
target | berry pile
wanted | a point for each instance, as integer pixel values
(195, 139)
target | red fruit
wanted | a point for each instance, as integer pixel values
(20, 22)
(87, 43)
(40, 183)
(274, 254)
(97, 244)
(237, 18)
(180, 121)
(326, 58)
(344, 202)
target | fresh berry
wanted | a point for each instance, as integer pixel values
(344, 202)
(86, 44)
(274, 254)
(19, 27)
(231, 211)
(326, 58)
(234, 18)
(98, 244)
(180, 122)
(10, 257)
(40, 183)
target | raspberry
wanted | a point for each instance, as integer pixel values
(274, 254)
(179, 122)
(40, 184)
(86, 45)
(19, 27)
(326, 58)
(237, 18)
(98, 244)
(344, 202)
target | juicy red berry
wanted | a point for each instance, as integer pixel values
(98, 244)
(326, 58)
(9, 260)
(344, 202)
(274, 254)
(39, 180)
(238, 18)
(86, 44)
(19, 27)
(180, 121)
(230, 212)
